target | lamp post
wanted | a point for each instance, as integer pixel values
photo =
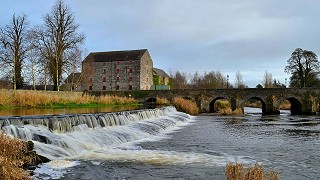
(285, 80)
(227, 81)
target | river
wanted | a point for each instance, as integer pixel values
(166, 144)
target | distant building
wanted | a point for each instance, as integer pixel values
(161, 80)
(117, 71)
(73, 82)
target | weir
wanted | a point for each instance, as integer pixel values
(61, 136)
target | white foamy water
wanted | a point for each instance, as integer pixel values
(108, 137)
(53, 170)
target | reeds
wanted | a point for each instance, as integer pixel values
(25, 98)
(236, 172)
(12, 158)
(221, 104)
(286, 105)
(185, 105)
(162, 101)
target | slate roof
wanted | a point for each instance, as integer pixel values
(115, 55)
(161, 72)
(73, 78)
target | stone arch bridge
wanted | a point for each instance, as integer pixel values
(303, 101)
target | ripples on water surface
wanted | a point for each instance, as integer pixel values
(173, 145)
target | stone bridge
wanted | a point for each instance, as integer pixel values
(303, 101)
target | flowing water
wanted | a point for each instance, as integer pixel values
(165, 144)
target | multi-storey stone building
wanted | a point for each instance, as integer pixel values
(117, 71)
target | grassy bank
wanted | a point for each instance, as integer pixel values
(237, 172)
(49, 99)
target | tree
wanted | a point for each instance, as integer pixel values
(14, 48)
(259, 86)
(239, 81)
(58, 38)
(179, 80)
(267, 80)
(303, 65)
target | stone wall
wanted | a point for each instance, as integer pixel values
(118, 75)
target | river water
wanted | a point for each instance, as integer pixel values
(166, 144)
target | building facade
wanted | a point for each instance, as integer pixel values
(117, 71)
(161, 80)
(73, 82)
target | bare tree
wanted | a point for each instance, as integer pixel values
(13, 45)
(180, 80)
(239, 83)
(267, 80)
(58, 38)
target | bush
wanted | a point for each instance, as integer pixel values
(186, 106)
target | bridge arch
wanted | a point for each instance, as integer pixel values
(212, 102)
(263, 103)
(151, 100)
(296, 106)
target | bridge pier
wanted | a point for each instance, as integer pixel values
(310, 104)
(272, 106)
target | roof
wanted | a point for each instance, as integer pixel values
(73, 78)
(160, 72)
(116, 55)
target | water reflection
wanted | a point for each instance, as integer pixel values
(42, 111)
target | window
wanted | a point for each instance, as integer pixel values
(117, 87)
(118, 78)
(90, 80)
(147, 79)
(118, 70)
(90, 88)
(130, 78)
(104, 88)
(130, 87)
(130, 70)
(104, 71)
(104, 79)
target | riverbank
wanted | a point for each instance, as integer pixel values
(16, 157)
(62, 99)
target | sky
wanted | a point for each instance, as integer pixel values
(249, 36)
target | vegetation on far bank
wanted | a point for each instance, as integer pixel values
(49, 99)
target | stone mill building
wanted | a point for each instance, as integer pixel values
(117, 71)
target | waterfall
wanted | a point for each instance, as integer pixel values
(67, 136)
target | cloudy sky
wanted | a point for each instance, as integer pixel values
(252, 36)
